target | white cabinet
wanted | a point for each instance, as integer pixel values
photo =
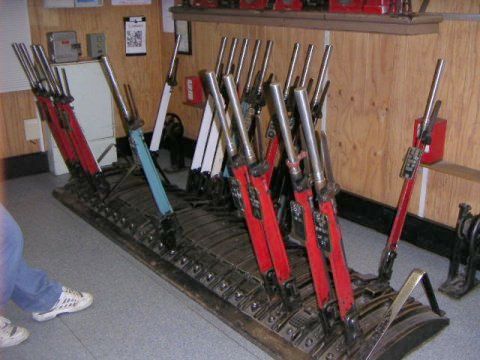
(94, 108)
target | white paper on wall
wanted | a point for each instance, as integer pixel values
(131, 2)
(54, 4)
(14, 27)
(136, 35)
(167, 18)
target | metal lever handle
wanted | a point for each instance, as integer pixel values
(24, 65)
(65, 82)
(229, 66)
(283, 121)
(58, 79)
(42, 70)
(321, 76)
(239, 120)
(37, 76)
(115, 89)
(327, 164)
(173, 60)
(433, 93)
(291, 70)
(253, 63)
(263, 71)
(303, 107)
(47, 68)
(241, 61)
(214, 90)
(306, 65)
(221, 52)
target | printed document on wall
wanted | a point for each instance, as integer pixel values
(131, 2)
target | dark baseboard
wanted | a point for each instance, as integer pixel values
(426, 234)
(23, 165)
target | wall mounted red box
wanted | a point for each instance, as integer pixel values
(376, 6)
(434, 152)
(293, 5)
(194, 90)
(346, 6)
(253, 4)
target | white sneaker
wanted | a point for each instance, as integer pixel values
(11, 335)
(70, 301)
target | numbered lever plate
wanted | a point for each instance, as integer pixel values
(411, 163)
(298, 222)
(255, 201)
(236, 194)
(322, 231)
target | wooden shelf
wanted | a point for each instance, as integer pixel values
(423, 24)
(455, 170)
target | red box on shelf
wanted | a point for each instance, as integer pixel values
(194, 90)
(376, 6)
(253, 4)
(205, 4)
(292, 5)
(346, 6)
(434, 152)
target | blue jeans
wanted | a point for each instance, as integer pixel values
(30, 289)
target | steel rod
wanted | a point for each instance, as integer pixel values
(239, 120)
(303, 107)
(322, 75)
(221, 53)
(233, 48)
(433, 93)
(306, 65)
(65, 81)
(48, 69)
(291, 70)
(41, 69)
(266, 60)
(35, 72)
(283, 122)
(115, 89)
(174, 56)
(241, 61)
(24, 65)
(253, 63)
(214, 90)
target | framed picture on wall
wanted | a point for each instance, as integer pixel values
(183, 28)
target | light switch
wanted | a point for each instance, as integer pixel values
(32, 129)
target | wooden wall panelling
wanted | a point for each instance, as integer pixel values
(379, 86)
(14, 108)
(143, 73)
(461, 92)
(366, 114)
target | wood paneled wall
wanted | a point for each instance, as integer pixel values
(15, 107)
(143, 73)
(379, 86)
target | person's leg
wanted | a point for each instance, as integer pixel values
(11, 248)
(30, 289)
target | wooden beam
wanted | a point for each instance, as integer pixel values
(459, 171)
(422, 24)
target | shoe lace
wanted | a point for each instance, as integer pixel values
(4, 322)
(69, 297)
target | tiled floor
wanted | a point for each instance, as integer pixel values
(137, 315)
